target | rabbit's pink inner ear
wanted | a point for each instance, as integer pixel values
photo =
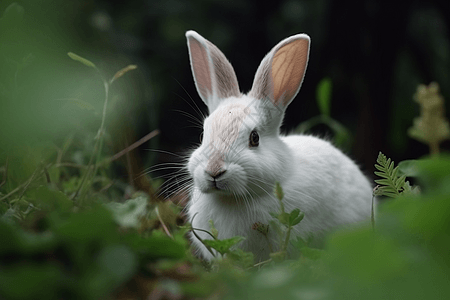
(200, 68)
(288, 69)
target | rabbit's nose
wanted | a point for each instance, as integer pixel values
(216, 173)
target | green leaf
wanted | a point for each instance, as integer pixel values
(390, 165)
(386, 192)
(308, 124)
(155, 247)
(214, 231)
(312, 253)
(118, 263)
(434, 172)
(283, 218)
(82, 60)
(400, 182)
(380, 168)
(50, 200)
(381, 174)
(387, 189)
(295, 217)
(394, 171)
(392, 184)
(223, 246)
(129, 213)
(242, 258)
(387, 182)
(323, 95)
(294, 214)
(95, 224)
(342, 137)
(298, 219)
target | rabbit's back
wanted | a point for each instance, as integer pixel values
(325, 184)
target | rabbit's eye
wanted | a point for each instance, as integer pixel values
(254, 139)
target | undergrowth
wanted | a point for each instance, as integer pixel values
(70, 230)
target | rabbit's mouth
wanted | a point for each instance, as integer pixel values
(230, 180)
(218, 186)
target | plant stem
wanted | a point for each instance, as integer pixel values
(207, 247)
(268, 242)
(193, 232)
(28, 182)
(286, 241)
(102, 126)
(88, 171)
(261, 263)
(24, 185)
(132, 146)
(434, 148)
(162, 223)
(99, 141)
(206, 231)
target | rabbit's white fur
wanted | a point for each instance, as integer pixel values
(234, 178)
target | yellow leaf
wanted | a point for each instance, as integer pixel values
(81, 60)
(123, 71)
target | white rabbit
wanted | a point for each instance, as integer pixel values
(242, 154)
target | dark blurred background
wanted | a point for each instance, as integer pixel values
(375, 53)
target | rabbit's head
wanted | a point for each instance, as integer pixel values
(241, 153)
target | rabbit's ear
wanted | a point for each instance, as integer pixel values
(281, 72)
(213, 74)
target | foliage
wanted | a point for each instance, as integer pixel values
(79, 255)
(323, 96)
(84, 255)
(71, 228)
(223, 246)
(409, 245)
(342, 137)
(66, 230)
(431, 127)
(393, 184)
(288, 220)
(227, 247)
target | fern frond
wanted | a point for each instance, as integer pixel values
(386, 192)
(391, 185)
(399, 184)
(381, 174)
